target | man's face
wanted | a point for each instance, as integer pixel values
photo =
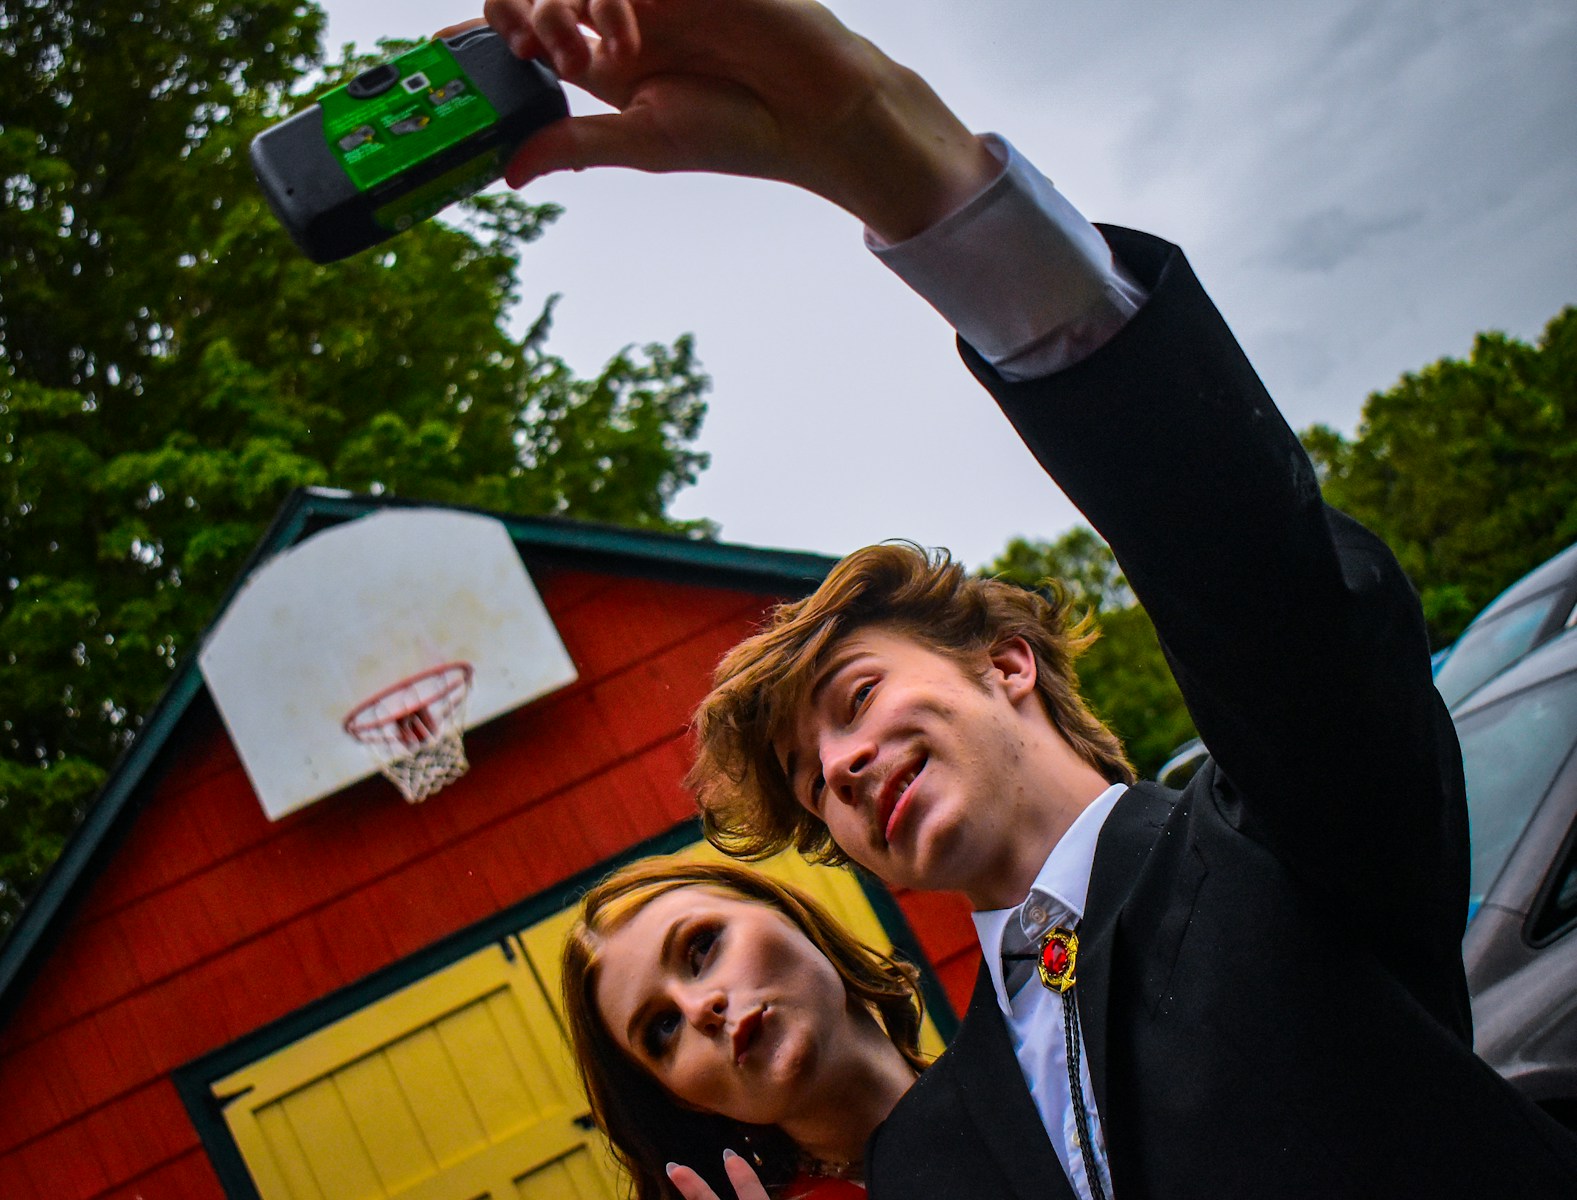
(912, 758)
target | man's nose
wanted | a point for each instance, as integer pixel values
(846, 765)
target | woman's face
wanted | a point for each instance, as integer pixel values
(726, 1002)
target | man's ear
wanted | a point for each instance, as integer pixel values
(1014, 664)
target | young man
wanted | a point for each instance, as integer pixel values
(1267, 996)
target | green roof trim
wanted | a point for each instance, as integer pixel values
(306, 511)
(710, 559)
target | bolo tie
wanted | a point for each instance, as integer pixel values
(1055, 962)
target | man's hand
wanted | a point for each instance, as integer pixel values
(776, 89)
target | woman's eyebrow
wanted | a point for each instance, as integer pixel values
(637, 1019)
(664, 955)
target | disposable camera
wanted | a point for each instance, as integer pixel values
(402, 140)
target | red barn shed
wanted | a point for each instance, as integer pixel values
(233, 987)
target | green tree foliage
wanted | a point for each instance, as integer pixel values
(170, 367)
(1124, 675)
(1468, 468)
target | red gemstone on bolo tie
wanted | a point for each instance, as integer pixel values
(1059, 956)
(1054, 958)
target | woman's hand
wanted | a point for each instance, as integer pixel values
(777, 89)
(740, 1173)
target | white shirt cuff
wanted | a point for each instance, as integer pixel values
(1018, 272)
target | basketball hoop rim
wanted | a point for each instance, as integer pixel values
(357, 728)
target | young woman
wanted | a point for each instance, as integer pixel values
(713, 1009)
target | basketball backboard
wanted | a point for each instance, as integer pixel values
(355, 608)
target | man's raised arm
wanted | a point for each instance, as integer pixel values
(780, 89)
(775, 89)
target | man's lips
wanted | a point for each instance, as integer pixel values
(892, 793)
(746, 1033)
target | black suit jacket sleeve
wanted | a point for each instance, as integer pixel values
(1298, 643)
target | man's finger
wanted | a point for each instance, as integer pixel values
(556, 24)
(600, 140)
(511, 20)
(615, 23)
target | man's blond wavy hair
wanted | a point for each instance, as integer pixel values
(748, 809)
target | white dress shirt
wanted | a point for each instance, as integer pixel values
(1031, 285)
(1034, 1017)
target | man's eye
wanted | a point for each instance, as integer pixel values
(861, 694)
(659, 1033)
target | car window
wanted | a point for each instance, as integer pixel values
(1490, 646)
(1511, 751)
(1559, 910)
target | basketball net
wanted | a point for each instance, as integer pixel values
(413, 729)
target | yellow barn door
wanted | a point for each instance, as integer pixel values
(458, 1086)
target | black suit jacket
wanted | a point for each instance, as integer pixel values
(1270, 972)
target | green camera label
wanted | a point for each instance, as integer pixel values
(403, 112)
(455, 184)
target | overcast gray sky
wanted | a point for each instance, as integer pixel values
(1361, 186)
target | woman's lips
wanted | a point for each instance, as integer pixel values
(746, 1033)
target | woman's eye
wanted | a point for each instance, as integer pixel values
(700, 947)
(817, 786)
(660, 1032)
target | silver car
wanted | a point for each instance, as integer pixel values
(1519, 733)
(1526, 615)
(1518, 730)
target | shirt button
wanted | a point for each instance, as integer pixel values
(1037, 915)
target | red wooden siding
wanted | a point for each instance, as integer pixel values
(210, 921)
(941, 922)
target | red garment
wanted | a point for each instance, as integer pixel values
(819, 1187)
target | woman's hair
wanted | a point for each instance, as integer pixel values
(647, 1126)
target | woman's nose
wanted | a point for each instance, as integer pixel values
(705, 1009)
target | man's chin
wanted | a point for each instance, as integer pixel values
(935, 858)
(917, 854)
